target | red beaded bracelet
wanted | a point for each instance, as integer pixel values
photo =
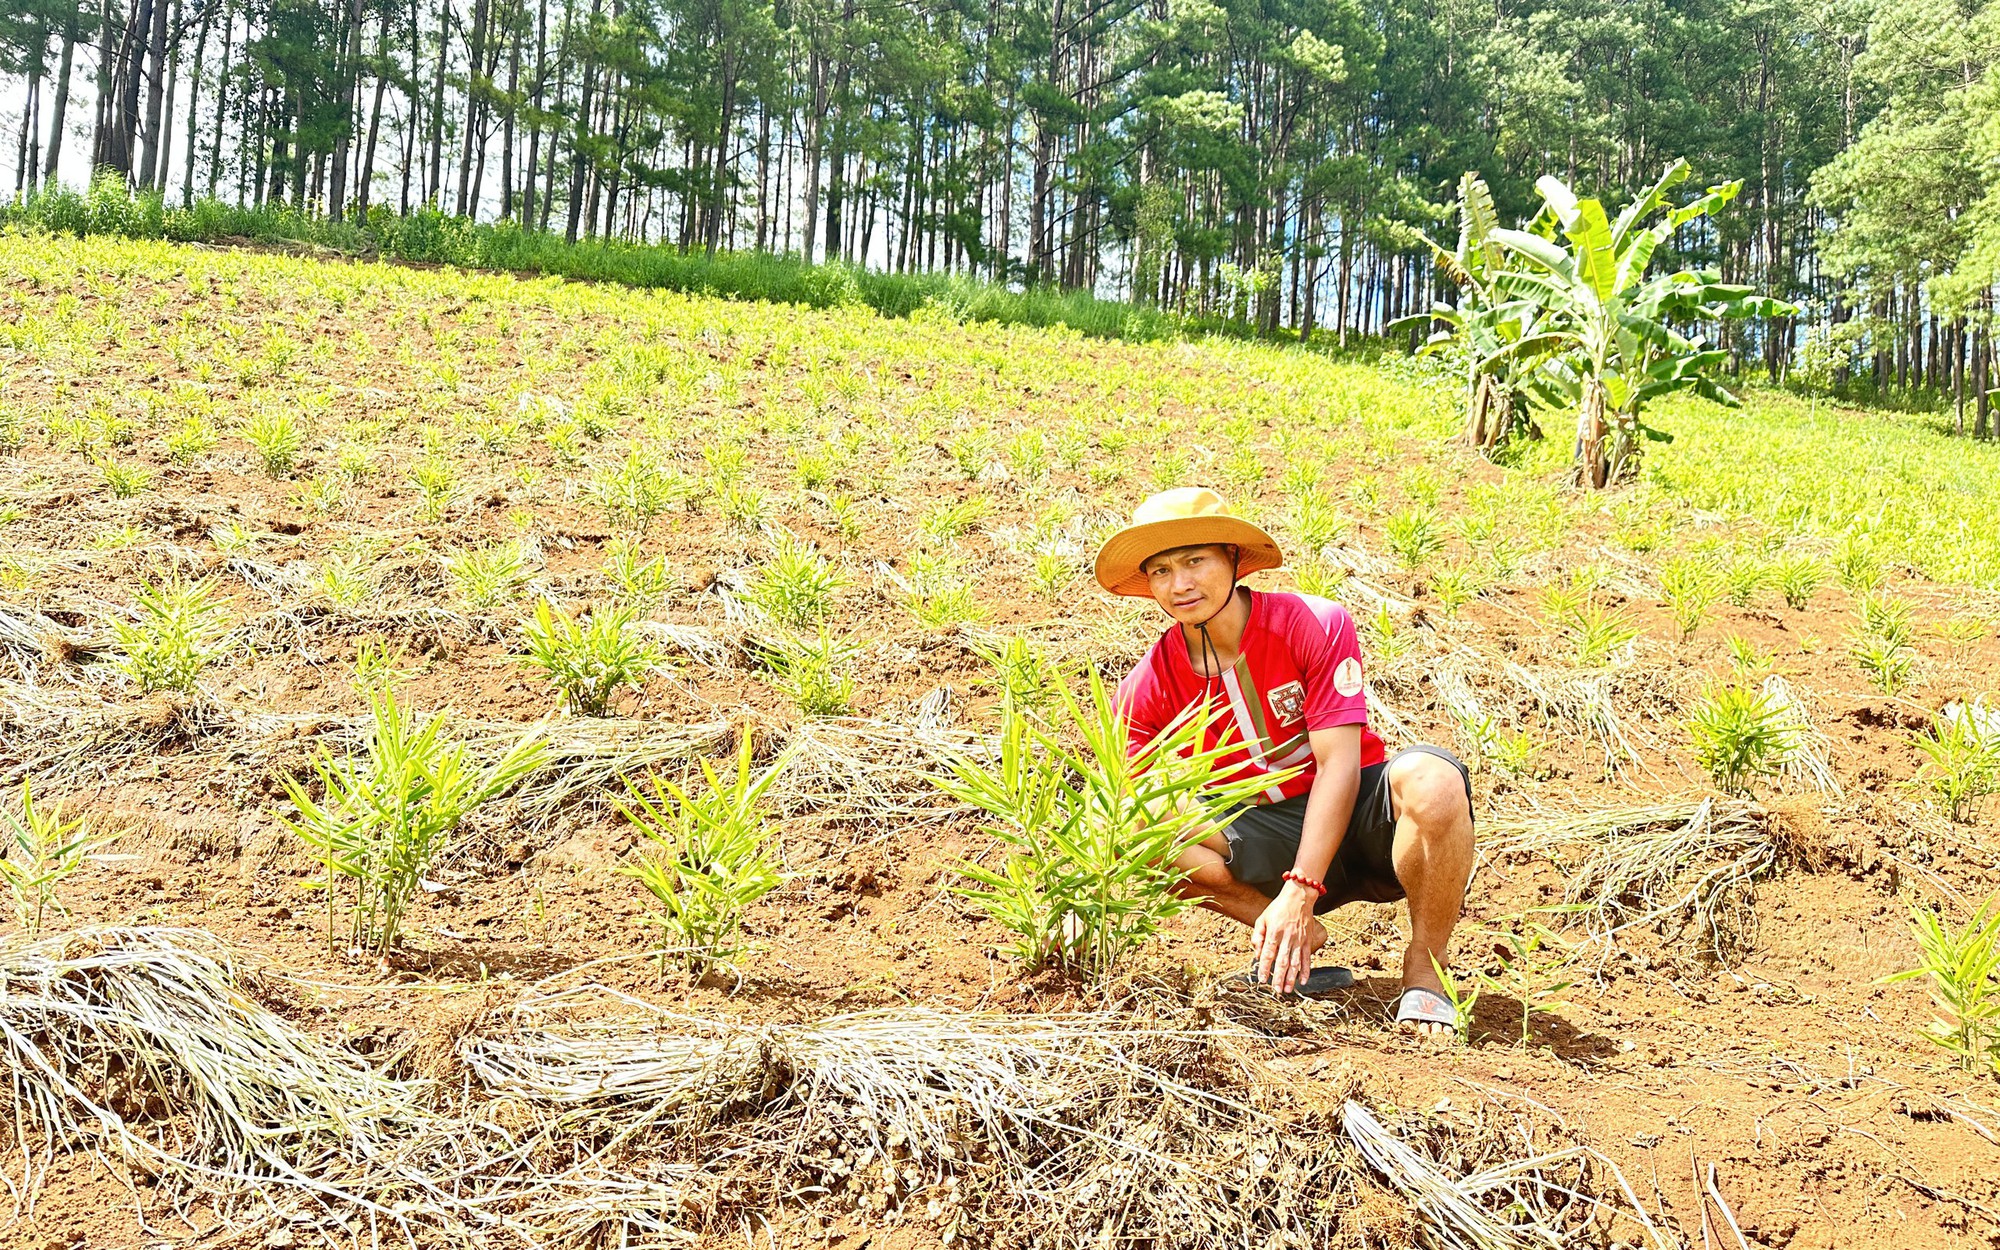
(1307, 882)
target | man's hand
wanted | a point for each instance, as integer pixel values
(1284, 939)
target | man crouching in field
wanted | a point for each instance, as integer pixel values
(1287, 669)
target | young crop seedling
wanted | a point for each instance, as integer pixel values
(949, 522)
(278, 438)
(1598, 632)
(1530, 961)
(1747, 658)
(40, 851)
(1739, 735)
(347, 581)
(1387, 640)
(1961, 633)
(635, 580)
(796, 587)
(1858, 566)
(1743, 577)
(323, 494)
(124, 481)
(745, 506)
(179, 631)
(1963, 965)
(487, 577)
(1413, 535)
(195, 438)
(377, 667)
(1091, 830)
(1456, 586)
(385, 814)
(710, 859)
(635, 490)
(1961, 752)
(1051, 576)
(813, 672)
(1691, 588)
(1879, 643)
(1463, 998)
(437, 484)
(1798, 577)
(1315, 522)
(589, 661)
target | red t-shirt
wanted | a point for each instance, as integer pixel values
(1299, 669)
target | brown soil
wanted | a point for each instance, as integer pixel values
(1796, 1073)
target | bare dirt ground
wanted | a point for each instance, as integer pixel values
(1784, 1086)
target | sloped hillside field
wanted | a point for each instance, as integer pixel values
(260, 511)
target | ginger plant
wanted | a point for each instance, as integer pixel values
(1092, 830)
(40, 851)
(386, 814)
(709, 859)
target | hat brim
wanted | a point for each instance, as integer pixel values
(1119, 560)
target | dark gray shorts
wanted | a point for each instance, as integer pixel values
(1264, 839)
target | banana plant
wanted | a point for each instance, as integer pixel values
(1607, 339)
(1483, 323)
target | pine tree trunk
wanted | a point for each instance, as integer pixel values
(434, 186)
(156, 56)
(163, 160)
(194, 107)
(61, 105)
(124, 120)
(350, 85)
(221, 107)
(507, 124)
(474, 62)
(365, 180)
(100, 136)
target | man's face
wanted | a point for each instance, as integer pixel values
(1192, 584)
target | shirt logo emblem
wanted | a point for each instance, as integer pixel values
(1347, 677)
(1288, 702)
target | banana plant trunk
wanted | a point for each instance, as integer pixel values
(1477, 431)
(1592, 467)
(1501, 421)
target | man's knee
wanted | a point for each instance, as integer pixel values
(1204, 880)
(1430, 793)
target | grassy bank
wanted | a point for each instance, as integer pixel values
(433, 237)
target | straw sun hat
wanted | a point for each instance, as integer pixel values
(1186, 516)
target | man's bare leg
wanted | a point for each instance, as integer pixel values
(1208, 883)
(1433, 857)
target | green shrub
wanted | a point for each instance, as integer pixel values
(710, 858)
(1740, 734)
(1961, 752)
(1691, 588)
(178, 633)
(796, 586)
(1092, 829)
(1963, 965)
(590, 661)
(40, 850)
(385, 814)
(278, 438)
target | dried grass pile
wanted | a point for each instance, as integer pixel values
(585, 1117)
(1686, 868)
